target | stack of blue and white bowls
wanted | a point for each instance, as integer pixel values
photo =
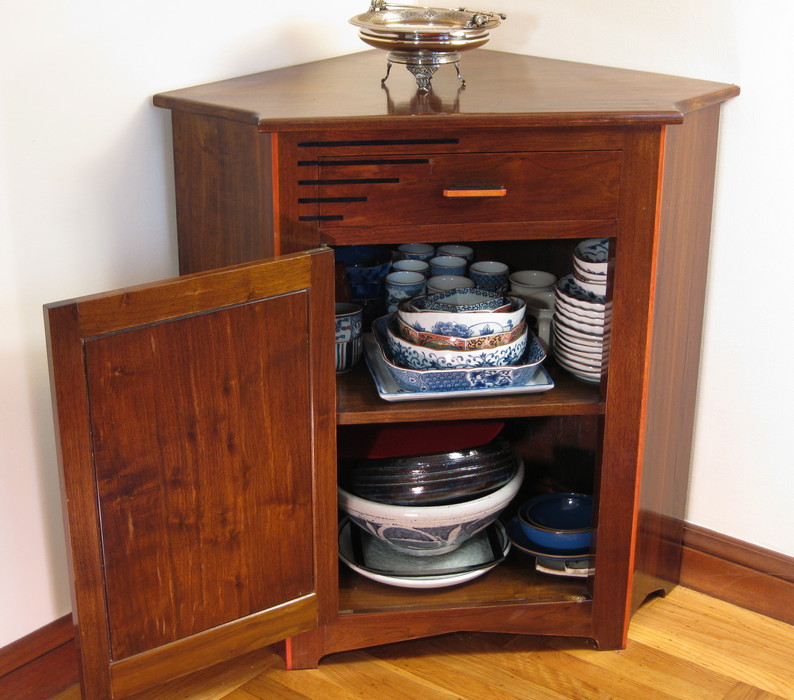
(582, 313)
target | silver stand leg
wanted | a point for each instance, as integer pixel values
(460, 77)
(388, 70)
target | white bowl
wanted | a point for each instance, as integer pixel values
(570, 291)
(414, 356)
(599, 288)
(583, 312)
(593, 255)
(565, 313)
(526, 282)
(429, 530)
(581, 362)
(463, 324)
(580, 272)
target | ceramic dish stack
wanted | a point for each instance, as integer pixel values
(582, 314)
(460, 340)
(556, 530)
(427, 521)
(457, 329)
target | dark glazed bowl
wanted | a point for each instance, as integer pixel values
(433, 479)
(558, 522)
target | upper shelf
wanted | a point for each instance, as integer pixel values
(503, 88)
(357, 402)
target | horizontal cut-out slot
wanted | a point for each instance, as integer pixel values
(323, 200)
(368, 161)
(329, 217)
(354, 181)
(377, 142)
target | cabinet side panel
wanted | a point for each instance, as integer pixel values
(223, 182)
(203, 479)
(626, 385)
(684, 232)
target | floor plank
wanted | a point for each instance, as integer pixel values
(687, 646)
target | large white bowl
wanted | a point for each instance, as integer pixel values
(429, 530)
(414, 356)
(464, 324)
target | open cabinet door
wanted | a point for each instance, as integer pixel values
(196, 425)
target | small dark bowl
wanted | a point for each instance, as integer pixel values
(558, 522)
(365, 268)
(435, 479)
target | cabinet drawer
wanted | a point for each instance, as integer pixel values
(462, 188)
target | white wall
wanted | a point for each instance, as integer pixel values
(86, 205)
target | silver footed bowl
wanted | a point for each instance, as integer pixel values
(423, 38)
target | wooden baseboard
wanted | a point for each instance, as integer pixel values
(44, 662)
(744, 574)
(40, 664)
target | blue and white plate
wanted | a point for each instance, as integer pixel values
(456, 380)
(389, 390)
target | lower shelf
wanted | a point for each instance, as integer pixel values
(512, 582)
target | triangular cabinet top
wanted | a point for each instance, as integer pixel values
(501, 89)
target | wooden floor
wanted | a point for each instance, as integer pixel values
(687, 645)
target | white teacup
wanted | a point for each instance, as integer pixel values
(525, 282)
(448, 265)
(460, 251)
(489, 274)
(412, 265)
(416, 251)
(403, 284)
(441, 283)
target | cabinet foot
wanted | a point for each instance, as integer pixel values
(303, 650)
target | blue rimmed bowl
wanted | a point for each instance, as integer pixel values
(462, 301)
(558, 522)
(443, 380)
(462, 324)
(592, 255)
(413, 356)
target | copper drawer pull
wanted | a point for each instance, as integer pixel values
(475, 191)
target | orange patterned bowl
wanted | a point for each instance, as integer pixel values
(451, 342)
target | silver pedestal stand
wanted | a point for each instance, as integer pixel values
(423, 65)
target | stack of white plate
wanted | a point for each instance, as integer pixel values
(582, 315)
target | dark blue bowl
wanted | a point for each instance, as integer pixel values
(365, 267)
(559, 522)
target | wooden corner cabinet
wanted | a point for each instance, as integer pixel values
(200, 417)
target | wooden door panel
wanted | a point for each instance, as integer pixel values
(197, 456)
(192, 511)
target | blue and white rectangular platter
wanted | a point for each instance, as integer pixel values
(389, 390)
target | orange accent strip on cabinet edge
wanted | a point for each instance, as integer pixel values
(274, 146)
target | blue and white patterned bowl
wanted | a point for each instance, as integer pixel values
(593, 255)
(413, 356)
(429, 530)
(443, 380)
(462, 301)
(462, 324)
(365, 267)
(572, 293)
